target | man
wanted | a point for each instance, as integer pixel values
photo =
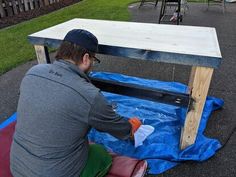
(57, 107)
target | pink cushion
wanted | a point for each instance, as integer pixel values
(121, 166)
(6, 135)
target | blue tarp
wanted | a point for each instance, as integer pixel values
(8, 121)
(161, 149)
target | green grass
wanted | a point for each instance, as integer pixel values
(15, 48)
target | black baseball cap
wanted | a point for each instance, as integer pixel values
(84, 39)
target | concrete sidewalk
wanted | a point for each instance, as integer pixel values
(221, 123)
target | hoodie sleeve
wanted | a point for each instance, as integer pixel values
(103, 118)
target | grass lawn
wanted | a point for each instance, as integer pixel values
(15, 48)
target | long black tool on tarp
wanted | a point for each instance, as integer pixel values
(157, 95)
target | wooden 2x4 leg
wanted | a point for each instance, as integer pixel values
(199, 84)
(42, 54)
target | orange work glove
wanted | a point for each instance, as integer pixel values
(135, 123)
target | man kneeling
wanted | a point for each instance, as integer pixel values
(57, 107)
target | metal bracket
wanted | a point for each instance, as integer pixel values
(157, 95)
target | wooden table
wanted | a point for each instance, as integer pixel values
(186, 45)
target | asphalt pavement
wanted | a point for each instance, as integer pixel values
(221, 124)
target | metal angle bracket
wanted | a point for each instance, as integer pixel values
(151, 94)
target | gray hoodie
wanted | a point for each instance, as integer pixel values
(57, 107)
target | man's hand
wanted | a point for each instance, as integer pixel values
(135, 123)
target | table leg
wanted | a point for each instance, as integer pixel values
(199, 83)
(42, 54)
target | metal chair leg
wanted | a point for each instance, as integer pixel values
(141, 3)
(178, 12)
(156, 3)
(161, 11)
(224, 7)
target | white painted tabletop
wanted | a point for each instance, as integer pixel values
(155, 37)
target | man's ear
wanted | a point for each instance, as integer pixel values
(85, 62)
(86, 59)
